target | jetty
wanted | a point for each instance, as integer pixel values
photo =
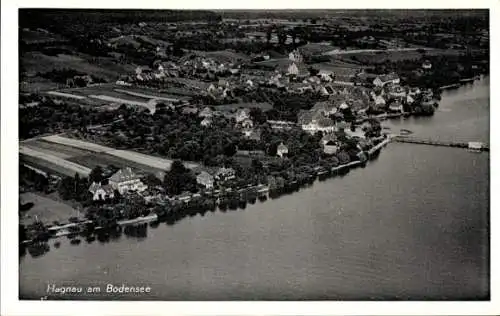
(474, 146)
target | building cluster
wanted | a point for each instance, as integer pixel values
(124, 181)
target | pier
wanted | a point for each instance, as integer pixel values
(475, 146)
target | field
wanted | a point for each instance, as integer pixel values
(52, 162)
(225, 56)
(264, 106)
(82, 157)
(381, 56)
(76, 143)
(38, 37)
(45, 209)
(338, 68)
(105, 68)
(92, 160)
(66, 95)
(104, 94)
(130, 157)
(150, 95)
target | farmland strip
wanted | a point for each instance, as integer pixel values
(67, 165)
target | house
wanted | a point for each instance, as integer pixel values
(242, 115)
(409, 99)
(101, 192)
(426, 65)
(381, 81)
(322, 90)
(341, 126)
(126, 180)
(224, 174)
(326, 75)
(252, 134)
(308, 120)
(189, 110)
(206, 112)
(293, 70)
(379, 100)
(330, 148)
(316, 122)
(340, 101)
(328, 138)
(396, 106)
(205, 179)
(324, 107)
(414, 91)
(295, 56)
(207, 121)
(282, 150)
(397, 92)
(246, 123)
(357, 133)
(326, 125)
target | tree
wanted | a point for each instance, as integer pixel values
(343, 157)
(96, 175)
(269, 34)
(66, 188)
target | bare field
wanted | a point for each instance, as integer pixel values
(104, 67)
(382, 56)
(45, 209)
(130, 156)
(150, 95)
(104, 89)
(46, 166)
(56, 149)
(66, 95)
(76, 143)
(92, 160)
(62, 165)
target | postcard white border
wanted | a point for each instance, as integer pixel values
(10, 305)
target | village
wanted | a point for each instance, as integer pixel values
(184, 135)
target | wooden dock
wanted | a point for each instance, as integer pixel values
(474, 146)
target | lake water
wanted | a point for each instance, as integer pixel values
(413, 224)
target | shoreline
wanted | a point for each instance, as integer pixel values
(63, 230)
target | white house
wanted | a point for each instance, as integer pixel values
(325, 107)
(101, 192)
(207, 121)
(247, 123)
(224, 174)
(205, 179)
(293, 70)
(379, 100)
(126, 180)
(426, 65)
(381, 81)
(330, 148)
(281, 150)
(396, 107)
(295, 56)
(242, 115)
(206, 112)
(326, 75)
(358, 132)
